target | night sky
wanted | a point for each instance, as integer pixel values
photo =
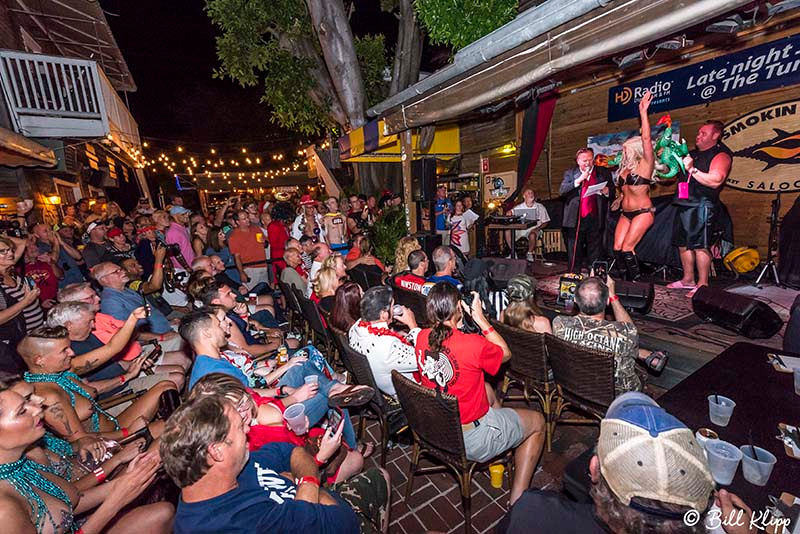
(169, 48)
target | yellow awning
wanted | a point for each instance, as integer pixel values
(446, 145)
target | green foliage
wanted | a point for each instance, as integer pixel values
(388, 229)
(458, 23)
(371, 53)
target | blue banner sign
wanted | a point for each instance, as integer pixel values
(763, 67)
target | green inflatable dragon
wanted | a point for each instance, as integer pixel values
(670, 160)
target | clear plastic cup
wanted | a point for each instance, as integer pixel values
(703, 435)
(723, 459)
(311, 379)
(720, 409)
(757, 471)
(295, 417)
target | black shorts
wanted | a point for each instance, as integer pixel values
(694, 226)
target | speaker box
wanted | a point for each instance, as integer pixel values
(428, 242)
(423, 180)
(636, 297)
(743, 315)
(502, 270)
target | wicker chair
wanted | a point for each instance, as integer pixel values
(414, 301)
(319, 333)
(388, 417)
(584, 381)
(528, 369)
(435, 421)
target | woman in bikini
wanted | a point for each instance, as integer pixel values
(635, 177)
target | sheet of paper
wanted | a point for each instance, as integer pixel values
(595, 189)
(791, 362)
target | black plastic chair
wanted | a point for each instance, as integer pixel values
(293, 307)
(435, 422)
(319, 333)
(414, 301)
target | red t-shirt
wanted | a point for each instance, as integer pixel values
(278, 235)
(410, 281)
(42, 273)
(458, 369)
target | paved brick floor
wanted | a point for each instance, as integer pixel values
(435, 504)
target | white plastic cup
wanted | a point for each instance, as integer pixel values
(311, 379)
(723, 459)
(720, 409)
(757, 471)
(295, 417)
(703, 435)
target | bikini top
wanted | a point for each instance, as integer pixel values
(635, 179)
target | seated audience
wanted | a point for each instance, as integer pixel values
(414, 278)
(95, 249)
(325, 286)
(385, 349)
(47, 353)
(456, 363)
(405, 246)
(36, 499)
(478, 278)
(306, 246)
(336, 262)
(591, 329)
(151, 287)
(346, 306)
(444, 259)
(319, 253)
(522, 311)
(337, 463)
(361, 254)
(294, 274)
(118, 301)
(631, 490)
(117, 247)
(223, 489)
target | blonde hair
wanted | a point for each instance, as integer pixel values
(632, 153)
(224, 385)
(326, 281)
(405, 246)
(330, 261)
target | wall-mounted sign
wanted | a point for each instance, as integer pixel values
(766, 149)
(497, 186)
(767, 66)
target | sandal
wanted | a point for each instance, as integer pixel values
(365, 449)
(677, 284)
(351, 396)
(660, 358)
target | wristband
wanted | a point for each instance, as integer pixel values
(161, 337)
(613, 298)
(320, 463)
(307, 480)
(158, 266)
(100, 475)
(122, 379)
(487, 331)
(125, 432)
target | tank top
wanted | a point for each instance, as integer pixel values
(702, 161)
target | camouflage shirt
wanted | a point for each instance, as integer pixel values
(620, 339)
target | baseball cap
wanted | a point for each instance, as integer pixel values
(520, 287)
(648, 453)
(177, 210)
(114, 232)
(92, 226)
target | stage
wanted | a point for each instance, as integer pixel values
(671, 324)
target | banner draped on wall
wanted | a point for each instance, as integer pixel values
(535, 126)
(763, 67)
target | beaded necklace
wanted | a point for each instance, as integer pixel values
(63, 380)
(62, 448)
(24, 476)
(383, 332)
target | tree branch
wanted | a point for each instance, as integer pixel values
(408, 52)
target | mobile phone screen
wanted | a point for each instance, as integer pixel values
(334, 418)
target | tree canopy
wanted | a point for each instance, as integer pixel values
(458, 23)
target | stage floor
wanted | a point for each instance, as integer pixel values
(671, 325)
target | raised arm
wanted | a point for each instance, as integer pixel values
(647, 143)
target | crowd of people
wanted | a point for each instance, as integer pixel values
(161, 339)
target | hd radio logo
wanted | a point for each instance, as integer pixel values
(766, 149)
(628, 96)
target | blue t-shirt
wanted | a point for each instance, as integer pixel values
(263, 502)
(445, 278)
(441, 219)
(120, 304)
(204, 365)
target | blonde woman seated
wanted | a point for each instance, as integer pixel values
(336, 262)
(522, 311)
(265, 414)
(325, 285)
(405, 246)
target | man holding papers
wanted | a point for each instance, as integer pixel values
(586, 191)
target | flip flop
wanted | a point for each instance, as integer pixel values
(351, 396)
(677, 284)
(657, 355)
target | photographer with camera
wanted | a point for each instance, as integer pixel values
(454, 362)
